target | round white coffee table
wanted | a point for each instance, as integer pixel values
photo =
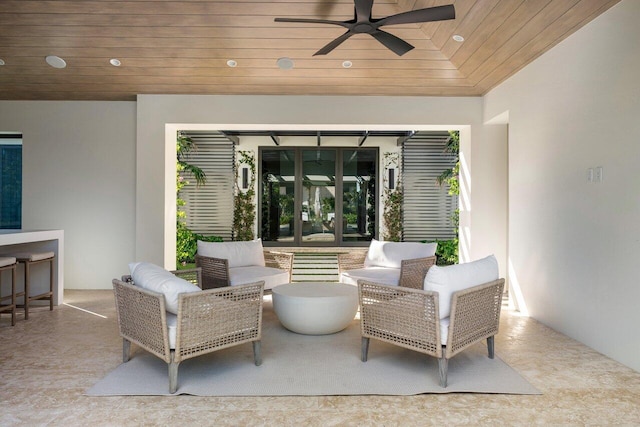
(315, 308)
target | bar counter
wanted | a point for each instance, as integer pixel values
(16, 241)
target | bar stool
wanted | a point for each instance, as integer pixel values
(9, 263)
(29, 259)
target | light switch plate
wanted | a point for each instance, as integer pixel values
(598, 176)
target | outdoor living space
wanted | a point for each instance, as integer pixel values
(579, 386)
(546, 172)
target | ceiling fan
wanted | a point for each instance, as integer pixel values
(362, 23)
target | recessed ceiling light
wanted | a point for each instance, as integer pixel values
(285, 63)
(231, 63)
(115, 62)
(1, 61)
(458, 38)
(347, 64)
(55, 61)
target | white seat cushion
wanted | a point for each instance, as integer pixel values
(34, 256)
(271, 276)
(444, 330)
(382, 275)
(172, 325)
(391, 254)
(452, 278)
(239, 254)
(5, 261)
(157, 279)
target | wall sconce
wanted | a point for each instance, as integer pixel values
(392, 178)
(245, 178)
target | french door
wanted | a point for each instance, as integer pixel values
(318, 196)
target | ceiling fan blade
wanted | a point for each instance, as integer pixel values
(312, 21)
(363, 10)
(333, 44)
(438, 13)
(396, 44)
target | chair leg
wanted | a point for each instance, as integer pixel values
(173, 376)
(257, 353)
(51, 285)
(126, 350)
(26, 290)
(364, 349)
(443, 366)
(13, 296)
(491, 346)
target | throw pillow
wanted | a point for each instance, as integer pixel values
(391, 254)
(452, 278)
(157, 279)
(239, 254)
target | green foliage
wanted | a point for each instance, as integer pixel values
(185, 238)
(187, 243)
(351, 218)
(184, 146)
(244, 211)
(392, 214)
(371, 203)
(447, 252)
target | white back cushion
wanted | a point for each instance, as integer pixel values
(391, 254)
(453, 278)
(239, 254)
(157, 279)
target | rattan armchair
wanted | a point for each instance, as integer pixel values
(206, 321)
(217, 273)
(411, 274)
(410, 318)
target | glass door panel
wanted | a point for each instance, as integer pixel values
(318, 201)
(278, 195)
(358, 195)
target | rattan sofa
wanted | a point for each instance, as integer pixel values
(390, 263)
(236, 263)
(206, 321)
(411, 318)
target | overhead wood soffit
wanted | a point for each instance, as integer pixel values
(183, 47)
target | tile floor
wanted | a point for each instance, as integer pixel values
(47, 362)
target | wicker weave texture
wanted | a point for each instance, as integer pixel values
(142, 318)
(475, 315)
(413, 272)
(193, 275)
(404, 317)
(215, 272)
(218, 318)
(351, 260)
(281, 260)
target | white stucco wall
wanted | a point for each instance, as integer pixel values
(79, 176)
(573, 243)
(159, 116)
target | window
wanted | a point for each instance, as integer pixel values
(10, 181)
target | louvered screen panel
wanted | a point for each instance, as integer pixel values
(427, 207)
(209, 207)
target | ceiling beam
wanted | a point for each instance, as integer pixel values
(231, 138)
(363, 138)
(403, 139)
(275, 138)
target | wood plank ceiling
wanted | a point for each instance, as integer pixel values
(182, 47)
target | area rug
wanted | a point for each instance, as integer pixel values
(303, 365)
